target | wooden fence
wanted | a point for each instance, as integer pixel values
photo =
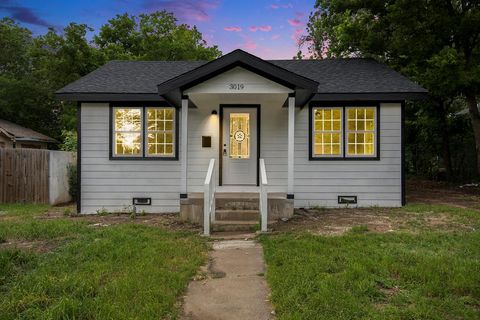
(24, 175)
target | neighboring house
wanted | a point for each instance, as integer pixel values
(15, 136)
(329, 131)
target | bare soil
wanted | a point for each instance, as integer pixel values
(321, 221)
(39, 246)
(167, 220)
(432, 192)
(381, 220)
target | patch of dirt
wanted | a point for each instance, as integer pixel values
(39, 246)
(434, 192)
(336, 221)
(167, 220)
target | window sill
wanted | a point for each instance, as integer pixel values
(376, 158)
(144, 158)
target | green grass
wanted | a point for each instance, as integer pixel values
(122, 271)
(363, 275)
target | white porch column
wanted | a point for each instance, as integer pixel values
(184, 148)
(291, 144)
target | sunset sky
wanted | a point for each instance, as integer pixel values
(269, 29)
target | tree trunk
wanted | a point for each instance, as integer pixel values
(447, 158)
(475, 119)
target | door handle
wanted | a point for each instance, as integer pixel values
(224, 150)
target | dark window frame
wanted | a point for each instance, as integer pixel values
(343, 105)
(143, 106)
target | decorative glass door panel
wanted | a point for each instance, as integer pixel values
(239, 135)
(239, 144)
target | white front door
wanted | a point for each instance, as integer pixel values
(239, 154)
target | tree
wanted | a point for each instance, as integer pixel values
(155, 36)
(436, 43)
(33, 68)
(14, 41)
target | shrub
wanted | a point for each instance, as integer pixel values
(69, 140)
(72, 181)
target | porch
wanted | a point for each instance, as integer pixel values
(243, 139)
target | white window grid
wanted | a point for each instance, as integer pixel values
(331, 132)
(157, 145)
(115, 131)
(372, 131)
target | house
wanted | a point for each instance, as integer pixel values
(15, 136)
(311, 132)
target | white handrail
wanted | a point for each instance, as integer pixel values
(263, 196)
(209, 198)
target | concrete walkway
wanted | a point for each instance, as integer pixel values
(234, 287)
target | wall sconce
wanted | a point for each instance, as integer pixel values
(214, 112)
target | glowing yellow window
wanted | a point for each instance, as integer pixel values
(160, 131)
(327, 135)
(361, 131)
(239, 135)
(128, 131)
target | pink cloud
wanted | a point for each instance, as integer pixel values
(294, 22)
(247, 44)
(188, 10)
(299, 14)
(281, 6)
(233, 28)
(296, 36)
(265, 28)
(275, 36)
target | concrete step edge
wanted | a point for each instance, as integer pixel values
(245, 211)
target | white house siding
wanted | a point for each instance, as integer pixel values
(375, 183)
(111, 184)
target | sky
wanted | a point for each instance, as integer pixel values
(269, 29)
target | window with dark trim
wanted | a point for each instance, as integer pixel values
(127, 132)
(344, 132)
(361, 131)
(160, 131)
(327, 132)
(143, 132)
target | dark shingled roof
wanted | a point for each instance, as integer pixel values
(335, 76)
(19, 133)
(355, 75)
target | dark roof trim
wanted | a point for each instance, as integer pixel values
(238, 58)
(369, 96)
(109, 97)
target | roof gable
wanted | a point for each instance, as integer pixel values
(238, 80)
(237, 58)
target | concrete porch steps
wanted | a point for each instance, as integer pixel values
(236, 211)
(233, 225)
(237, 215)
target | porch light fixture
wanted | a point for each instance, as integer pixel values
(214, 112)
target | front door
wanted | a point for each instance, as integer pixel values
(239, 146)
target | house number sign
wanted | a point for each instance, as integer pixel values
(236, 86)
(239, 136)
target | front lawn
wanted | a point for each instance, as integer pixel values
(416, 272)
(71, 268)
